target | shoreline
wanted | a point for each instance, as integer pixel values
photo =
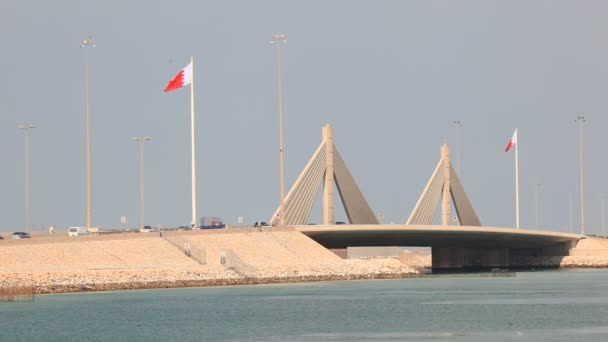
(244, 281)
(65, 288)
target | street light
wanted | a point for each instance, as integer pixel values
(581, 121)
(603, 197)
(570, 208)
(141, 141)
(278, 40)
(456, 124)
(87, 43)
(26, 129)
(537, 203)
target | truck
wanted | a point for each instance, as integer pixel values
(211, 222)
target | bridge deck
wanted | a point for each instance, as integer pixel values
(342, 236)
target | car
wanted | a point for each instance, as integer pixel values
(340, 222)
(20, 235)
(1, 238)
(146, 229)
(261, 224)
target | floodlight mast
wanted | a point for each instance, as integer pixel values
(25, 129)
(87, 43)
(581, 121)
(141, 141)
(278, 39)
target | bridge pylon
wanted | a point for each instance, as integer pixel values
(325, 165)
(444, 182)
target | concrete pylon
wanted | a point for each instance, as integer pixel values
(445, 182)
(325, 165)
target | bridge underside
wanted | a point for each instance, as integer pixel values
(453, 247)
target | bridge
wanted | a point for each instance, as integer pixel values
(465, 245)
(452, 246)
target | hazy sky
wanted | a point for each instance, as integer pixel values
(390, 76)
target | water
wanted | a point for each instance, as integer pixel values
(532, 306)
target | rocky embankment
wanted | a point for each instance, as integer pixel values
(150, 261)
(127, 279)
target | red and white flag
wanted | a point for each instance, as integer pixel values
(512, 142)
(183, 78)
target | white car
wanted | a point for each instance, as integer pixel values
(76, 231)
(147, 229)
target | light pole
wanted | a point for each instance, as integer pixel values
(278, 40)
(26, 135)
(537, 203)
(457, 124)
(570, 208)
(581, 121)
(87, 43)
(603, 198)
(141, 141)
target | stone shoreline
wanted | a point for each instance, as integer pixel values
(92, 287)
(183, 283)
(117, 280)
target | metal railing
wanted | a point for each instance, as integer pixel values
(189, 249)
(231, 260)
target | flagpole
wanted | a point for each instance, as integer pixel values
(516, 181)
(192, 146)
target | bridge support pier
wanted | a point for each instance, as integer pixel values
(453, 258)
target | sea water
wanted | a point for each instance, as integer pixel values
(560, 305)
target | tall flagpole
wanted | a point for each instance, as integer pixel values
(193, 161)
(516, 181)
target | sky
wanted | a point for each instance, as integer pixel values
(389, 76)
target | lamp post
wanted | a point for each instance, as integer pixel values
(570, 208)
(581, 121)
(457, 124)
(141, 141)
(26, 135)
(603, 198)
(537, 203)
(278, 40)
(84, 45)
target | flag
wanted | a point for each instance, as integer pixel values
(183, 78)
(512, 142)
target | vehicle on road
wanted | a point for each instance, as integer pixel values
(211, 222)
(261, 224)
(147, 229)
(76, 231)
(20, 235)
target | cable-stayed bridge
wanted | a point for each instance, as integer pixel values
(467, 244)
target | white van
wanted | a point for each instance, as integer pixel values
(75, 231)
